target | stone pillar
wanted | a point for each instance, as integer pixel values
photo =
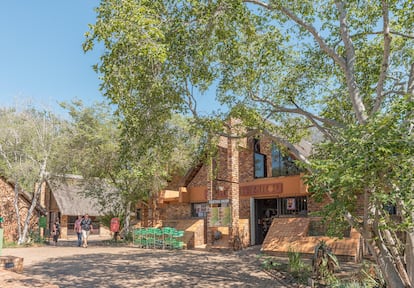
(233, 174)
(209, 197)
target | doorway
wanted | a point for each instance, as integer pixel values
(263, 211)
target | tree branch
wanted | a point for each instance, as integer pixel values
(385, 58)
(402, 34)
(347, 65)
(356, 99)
(410, 86)
(299, 155)
(310, 28)
(280, 109)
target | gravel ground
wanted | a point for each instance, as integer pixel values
(102, 266)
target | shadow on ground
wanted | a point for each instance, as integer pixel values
(152, 268)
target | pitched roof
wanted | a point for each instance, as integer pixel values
(304, 147)
(69, 193)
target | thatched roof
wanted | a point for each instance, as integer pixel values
(69, 193)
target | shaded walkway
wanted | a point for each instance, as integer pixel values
(132, 267)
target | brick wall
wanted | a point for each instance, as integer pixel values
(314, 206)
(246, 164)
(200, 179)
(8, 212)
(244, 209)
(175, 211)
(317, 206)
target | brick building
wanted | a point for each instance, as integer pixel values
(250, 194)
(8, 211)
(63, 198)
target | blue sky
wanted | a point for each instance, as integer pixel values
(41, 56)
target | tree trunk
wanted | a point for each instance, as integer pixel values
(38, 190)
(26, 226)
(127, 217)
(409, 255)
(397, 257)
(385, 263)
(17, 210)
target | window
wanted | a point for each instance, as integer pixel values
(259, 165)
(259, 161)
(256, 145)
(294, 206)
(282, 165)
(199, 209)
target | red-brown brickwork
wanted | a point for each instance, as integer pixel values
(230, 176)
(314, 206)
(194, 231)
(291, 234)
(8, 212)
(244, 209)
(200, 178)
(176, 211)
(246, 164)
(11, 263)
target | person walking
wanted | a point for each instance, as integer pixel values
(78, 229)
(56, 231)
(87, 228)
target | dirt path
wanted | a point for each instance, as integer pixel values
(97, 266)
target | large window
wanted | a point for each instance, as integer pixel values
(259, 165)
(259, 161)
(282, 165)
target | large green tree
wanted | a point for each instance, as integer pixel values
(106, 151)
(29, 141)
(344, 68)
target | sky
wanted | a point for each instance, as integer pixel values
(41, 58)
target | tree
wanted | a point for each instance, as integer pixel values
(105, 153)
(341, 67)
(27, 145)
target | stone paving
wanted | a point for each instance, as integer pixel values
(102, 266)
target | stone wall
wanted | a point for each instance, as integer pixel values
(200, 179)
(246, 170)
(244, 209)
(175, 211)
(8, 212)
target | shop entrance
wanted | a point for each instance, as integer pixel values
(263, 211)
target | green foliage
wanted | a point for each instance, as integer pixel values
(368, 276)
(28, 142)
(324, 262)
(269, 263)
(297, 267)
(377, 157)
(29, 145)
(10, 244)
(124, 165)
(334, 67)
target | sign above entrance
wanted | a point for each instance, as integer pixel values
(261, 189)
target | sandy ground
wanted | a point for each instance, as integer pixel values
(99, 266)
